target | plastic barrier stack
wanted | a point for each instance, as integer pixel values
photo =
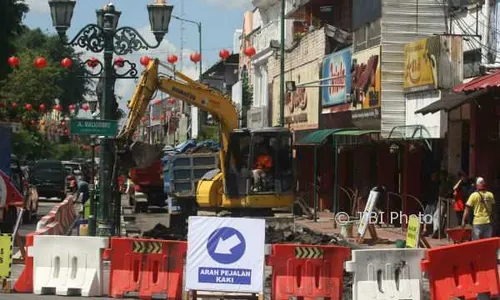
(307, 271)
(466, 271)
(68, 265)
(50, 224)
(150, 268)
(386, 274)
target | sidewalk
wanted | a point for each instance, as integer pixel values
(325, 222)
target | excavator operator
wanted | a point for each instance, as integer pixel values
(262, 166)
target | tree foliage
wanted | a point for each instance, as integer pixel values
(32, 145)
(246, 101)
(11, 16)
(28, 84)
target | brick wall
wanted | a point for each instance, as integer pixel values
(304, 57)
(311, 47)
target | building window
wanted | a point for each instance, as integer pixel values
(472, 62)
(367, 36)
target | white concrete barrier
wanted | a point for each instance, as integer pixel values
(68, 265)
(382, 274)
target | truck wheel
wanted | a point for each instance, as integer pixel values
(7, 226)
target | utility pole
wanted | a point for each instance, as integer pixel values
(282, 66)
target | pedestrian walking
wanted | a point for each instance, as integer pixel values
(481, 204)
(460, 195)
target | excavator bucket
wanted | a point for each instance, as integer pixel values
(140, 155)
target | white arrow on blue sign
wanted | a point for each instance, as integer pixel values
(218, 259)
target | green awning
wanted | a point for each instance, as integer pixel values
(317, 137)
(353, 137)
(355, 132)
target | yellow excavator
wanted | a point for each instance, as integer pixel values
(255, 172)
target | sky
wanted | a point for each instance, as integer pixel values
(217, 31)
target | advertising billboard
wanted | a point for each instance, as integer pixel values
(366, 75)
(421, 65)
(336, 69)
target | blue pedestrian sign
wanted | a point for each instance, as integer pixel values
(226, 245)
(218, 257)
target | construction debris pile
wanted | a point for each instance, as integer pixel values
(300, 235)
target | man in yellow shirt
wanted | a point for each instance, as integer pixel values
(482, 204)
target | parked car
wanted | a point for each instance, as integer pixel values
(49, 176)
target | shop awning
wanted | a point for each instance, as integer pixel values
(479, 83)
(355, 132)
(353, 136)
(450, 102)
(317, 137)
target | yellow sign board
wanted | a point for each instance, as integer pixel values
(421, 64)
(413, 234)
(5, 255)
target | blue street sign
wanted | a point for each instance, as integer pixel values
(226, 245)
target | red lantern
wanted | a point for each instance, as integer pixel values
(92, 62)
(66, 62)
(28, 107)
(63, 123)
(33, 122)
(85, 107)
(162, 118)
(153, 118)
(172, 58)
(143, 119)
(224, 54)
(119, 62)
(195, 57)
(171, 101)
(250, 51)
(59, 107)
(13, 61)
(42, 107)
(72, 107)
(66, 132)
(157, 101)
(145, 60)
(14, 105)
(40, 62)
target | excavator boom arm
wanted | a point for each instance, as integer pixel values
(183, 88)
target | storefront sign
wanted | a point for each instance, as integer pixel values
(296, 102)
(336, 70)
(365, 86)
(372, 113)
(302, 105)
(421, 61)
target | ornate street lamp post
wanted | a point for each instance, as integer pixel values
(106, 37)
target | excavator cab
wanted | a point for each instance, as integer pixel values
(259, 162)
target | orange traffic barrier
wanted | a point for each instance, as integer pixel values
(148, 267)
(307, 271)
(463, 271)
(24, 283)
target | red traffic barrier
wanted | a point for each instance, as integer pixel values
(147, 267)
(464, 270)
(307, 271)
(24, 283)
